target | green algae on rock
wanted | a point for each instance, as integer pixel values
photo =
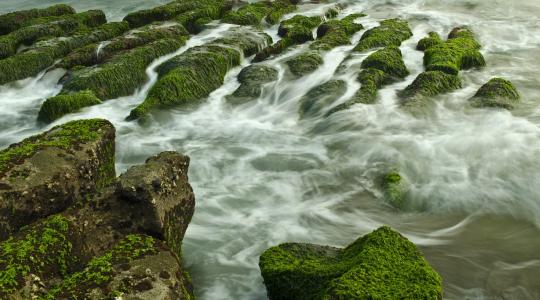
(44, 54)
(305, 63)
(188, 11)
(335, 33)
(321, 97)
(294, 31)
(251, 80)
(395, 189)
(191, 76)
(120, 76)
(254, 13)
(62, 27)
(432, 39)
(62, 164)
(459, 52)
(18, 19)
(431, 83)
(391, 32)
(88, 55)
(56, 107)
(380, 265)
(42, 251)
(382, 67)
(497, 92)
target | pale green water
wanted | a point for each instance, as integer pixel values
(263, 177)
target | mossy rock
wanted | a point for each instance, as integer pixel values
(379, 265)
(295, 31)
(15, 20)
(62, 27)
(190, 77)
(251, 79)
(88, 55)
(56, 107)
(497, 92)
(371, 80)
(123, 73)
(305, 63)
(321, 97)
(46, 173)
(432, 39)
(254, 13)
(187, 11)
(391, 32)
(460, 52)
(45, 53)
(388, 60)
(335, 33)
(395, 189)
(431, 83)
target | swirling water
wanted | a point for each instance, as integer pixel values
(262, 176)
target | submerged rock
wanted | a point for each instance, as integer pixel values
(296, 30)
(44, 54)
(191, 76)
(380, 265)
(395, 188)
(46, 173)
(251, 80)
(335, 33)
(497, 92)
(15, 20)
(61, 27)
(305, 63)
(391, 32)
(382, 67)
(321, 97)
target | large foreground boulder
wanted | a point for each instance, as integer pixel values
(46, 173)
(123, 240)
(380, 265)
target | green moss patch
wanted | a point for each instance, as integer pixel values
(497, 92)
(321, 96)
(431, 83)
(305, 63)
(388, 60)
(58, 106)
(380, 265)
(251, 79)
(15, 20)
(459, 52)
(63, 27)
(190, 77)
(254, 13)
(391, 32)
(88, 55)
(44, 54)
(395, 189)
(43, 250)
(432, 39)
(64, 136)
(335, 33)
(101, 270)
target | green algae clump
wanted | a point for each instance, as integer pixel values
(254, 13)
(432, 39)
(44, 251)
(395, 188)
(251, 79)
(55, 107)
(335, 33)
(391, 32)
(497, 92)
(431, 83)
(388, 60)
(380, 265)
(18, 19)
(304, 63)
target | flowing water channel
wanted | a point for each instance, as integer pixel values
(262, 176)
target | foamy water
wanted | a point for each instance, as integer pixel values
(262, 176)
